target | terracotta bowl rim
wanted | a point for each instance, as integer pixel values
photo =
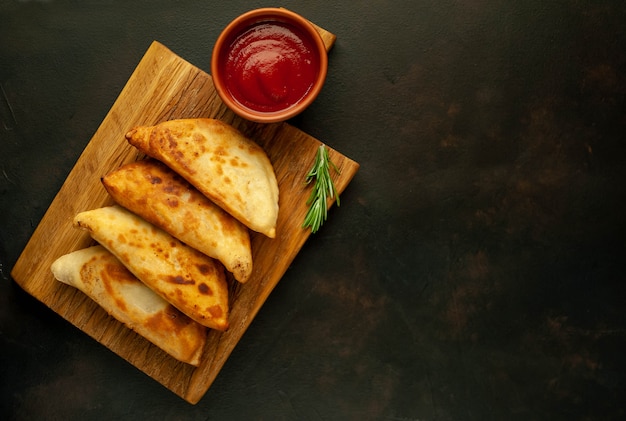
(260, 15)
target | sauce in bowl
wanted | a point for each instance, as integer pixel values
(270, 66)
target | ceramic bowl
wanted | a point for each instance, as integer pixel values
(269, 64)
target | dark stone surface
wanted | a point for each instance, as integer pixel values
(475, 269)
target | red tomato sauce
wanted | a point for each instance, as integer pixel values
(271, 66)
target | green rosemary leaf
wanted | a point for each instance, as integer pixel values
(323, 188)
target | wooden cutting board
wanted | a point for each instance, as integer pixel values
(164, 87)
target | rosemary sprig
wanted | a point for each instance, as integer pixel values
(323, 188)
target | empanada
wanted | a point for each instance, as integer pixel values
(191, 281)
(230, 169)
(153, 191)
(104, 279)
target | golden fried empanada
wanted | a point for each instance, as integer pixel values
(153, 191)
(191, 281)
(104, 279)
(227, 167)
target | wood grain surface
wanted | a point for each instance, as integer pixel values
(164, 87)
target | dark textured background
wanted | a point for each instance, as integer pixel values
(475, 269)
